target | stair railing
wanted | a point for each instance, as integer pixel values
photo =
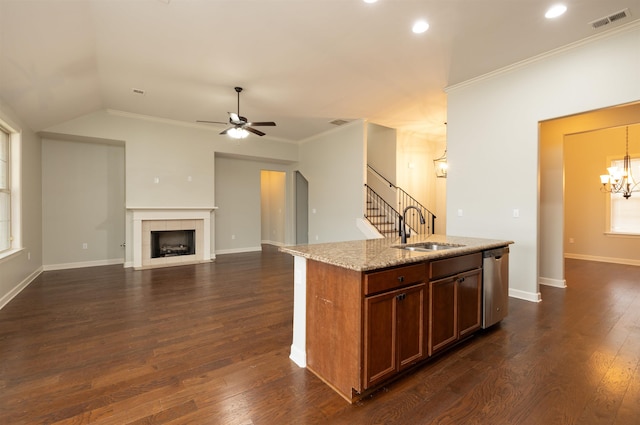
(405, 200)
(381, 214)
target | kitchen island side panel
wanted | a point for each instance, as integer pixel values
(334, 327)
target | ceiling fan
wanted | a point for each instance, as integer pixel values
(241, 126)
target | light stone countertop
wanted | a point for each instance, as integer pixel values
(373, 254)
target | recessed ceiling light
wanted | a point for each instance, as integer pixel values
(420, 26)
(370, 1)
(555, 11)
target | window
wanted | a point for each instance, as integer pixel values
(5, 192)
(625, 213)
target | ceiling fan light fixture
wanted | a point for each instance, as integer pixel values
(238, 133)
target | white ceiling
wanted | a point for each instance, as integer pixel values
(302, 63)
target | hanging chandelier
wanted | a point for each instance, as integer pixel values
(620, 180)
(440, 165)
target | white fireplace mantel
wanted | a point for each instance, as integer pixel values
(147, 214)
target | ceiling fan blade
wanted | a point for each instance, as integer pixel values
(263, 123)
(254, 131)
(212, 122)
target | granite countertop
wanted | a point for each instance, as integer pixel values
(375, 254)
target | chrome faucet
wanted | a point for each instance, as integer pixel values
(404, 233)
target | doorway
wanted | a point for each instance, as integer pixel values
(272, 207)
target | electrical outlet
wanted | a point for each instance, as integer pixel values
(85, 246)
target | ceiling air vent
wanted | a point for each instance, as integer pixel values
(609, 19)
(137, 91)
(338, 122)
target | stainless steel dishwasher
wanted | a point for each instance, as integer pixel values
(495, 281)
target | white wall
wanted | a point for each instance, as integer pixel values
(381, 156)
(20, 268)
(493, 141)
(84, 198)
(334, 164)
(180, 155)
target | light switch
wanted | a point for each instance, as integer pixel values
(516, 213)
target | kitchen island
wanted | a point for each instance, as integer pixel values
(367, 311)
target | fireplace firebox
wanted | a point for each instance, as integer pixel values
(171, 243)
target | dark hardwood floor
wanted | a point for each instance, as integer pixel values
(209, 344)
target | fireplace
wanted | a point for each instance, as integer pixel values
(169, 237)
(170, 243)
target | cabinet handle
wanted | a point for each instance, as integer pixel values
(401, 297)
(400, 278)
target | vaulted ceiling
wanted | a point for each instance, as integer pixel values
(302, 63)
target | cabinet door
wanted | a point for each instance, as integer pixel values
(469, 302)
(411, 325)
(443, 327)
(379, 337)
(394, 332)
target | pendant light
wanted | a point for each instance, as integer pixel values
(620, 180)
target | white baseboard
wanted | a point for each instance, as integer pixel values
(556, 283)
(523, 295)
(19, 287)
(298, 357)
(625, 261)
(238, 250)
(273, 243)
(79, 265)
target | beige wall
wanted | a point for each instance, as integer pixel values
(586, 156)
(239, 218)
(416, 174)
(552, 203)
(273, 206)
(83, 191)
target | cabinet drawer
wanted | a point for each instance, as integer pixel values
(450, 266)
(394, 278)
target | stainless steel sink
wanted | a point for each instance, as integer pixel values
(428, 246)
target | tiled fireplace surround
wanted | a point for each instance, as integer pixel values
(146, 220)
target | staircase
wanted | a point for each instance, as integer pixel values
(382, 215)
(387, 220)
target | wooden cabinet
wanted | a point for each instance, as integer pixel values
(363, 328)
(394, 332)
(455, 300)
